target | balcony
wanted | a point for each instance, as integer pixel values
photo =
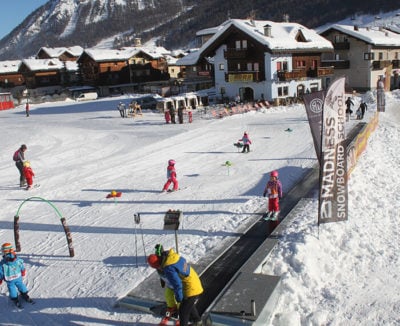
(341, 46)
(284, 75)
(336, 64)
(320, 71)
(235, 53)
(243, 76)
(380, 64)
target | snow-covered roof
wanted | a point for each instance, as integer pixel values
(9, 66)
(189, 59)
(49, 64)
(110, 54)
(373, 35)
(75, 51)
(153, 52)
(125, 53)
(283, 37)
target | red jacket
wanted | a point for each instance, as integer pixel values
(28, 172)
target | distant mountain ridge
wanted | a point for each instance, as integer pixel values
(175, 22)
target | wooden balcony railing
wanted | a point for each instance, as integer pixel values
(320, 71)
(284, 75)
(243, 76)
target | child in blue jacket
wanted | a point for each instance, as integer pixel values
(12, 270)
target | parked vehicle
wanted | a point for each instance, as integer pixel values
(146, 102)
(87, 96)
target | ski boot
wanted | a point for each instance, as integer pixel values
(274, 216)
(26, 297)
(17, 302)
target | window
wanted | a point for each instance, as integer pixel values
(256, 66)
(249, 66)
(237, 45)
(194, 68)
(283, 91)
(221, 66)
(300, 63)
(369, 56)
(244, 44)
(283, 65)
(238, 67)
(380, 55)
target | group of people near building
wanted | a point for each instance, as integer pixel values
(170, 116)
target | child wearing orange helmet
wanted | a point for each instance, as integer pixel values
(12, 270)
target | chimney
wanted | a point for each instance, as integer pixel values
(386, 33)
(356, 27)
(267, 30)
(137, 41)
(285, 18)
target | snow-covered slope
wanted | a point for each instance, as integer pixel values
(80, 152)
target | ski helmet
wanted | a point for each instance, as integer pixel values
(171, 162)
(154, 261)
(7, 248)
(274, 173)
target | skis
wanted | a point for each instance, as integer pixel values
(271, 216)
(27, 299)
(169, 321)
(36, 185)
(170, 191)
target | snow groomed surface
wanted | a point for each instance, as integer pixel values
(235, 293)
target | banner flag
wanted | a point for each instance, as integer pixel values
(314, 103)
(333, 195)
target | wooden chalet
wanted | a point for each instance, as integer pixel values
(10, 75)
(101, 67)
(62, 53)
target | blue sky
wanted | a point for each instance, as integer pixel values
(13, 12)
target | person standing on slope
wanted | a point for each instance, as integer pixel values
(28, 173)
(171, 176)
(246, 142)
(274, 191)
(12, 270)
(19, 158)
(169, 295)
(185, 282)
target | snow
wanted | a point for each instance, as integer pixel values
(337, 274)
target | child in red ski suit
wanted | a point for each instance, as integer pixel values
(274, 191)
(171, 175)
(28, 173)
